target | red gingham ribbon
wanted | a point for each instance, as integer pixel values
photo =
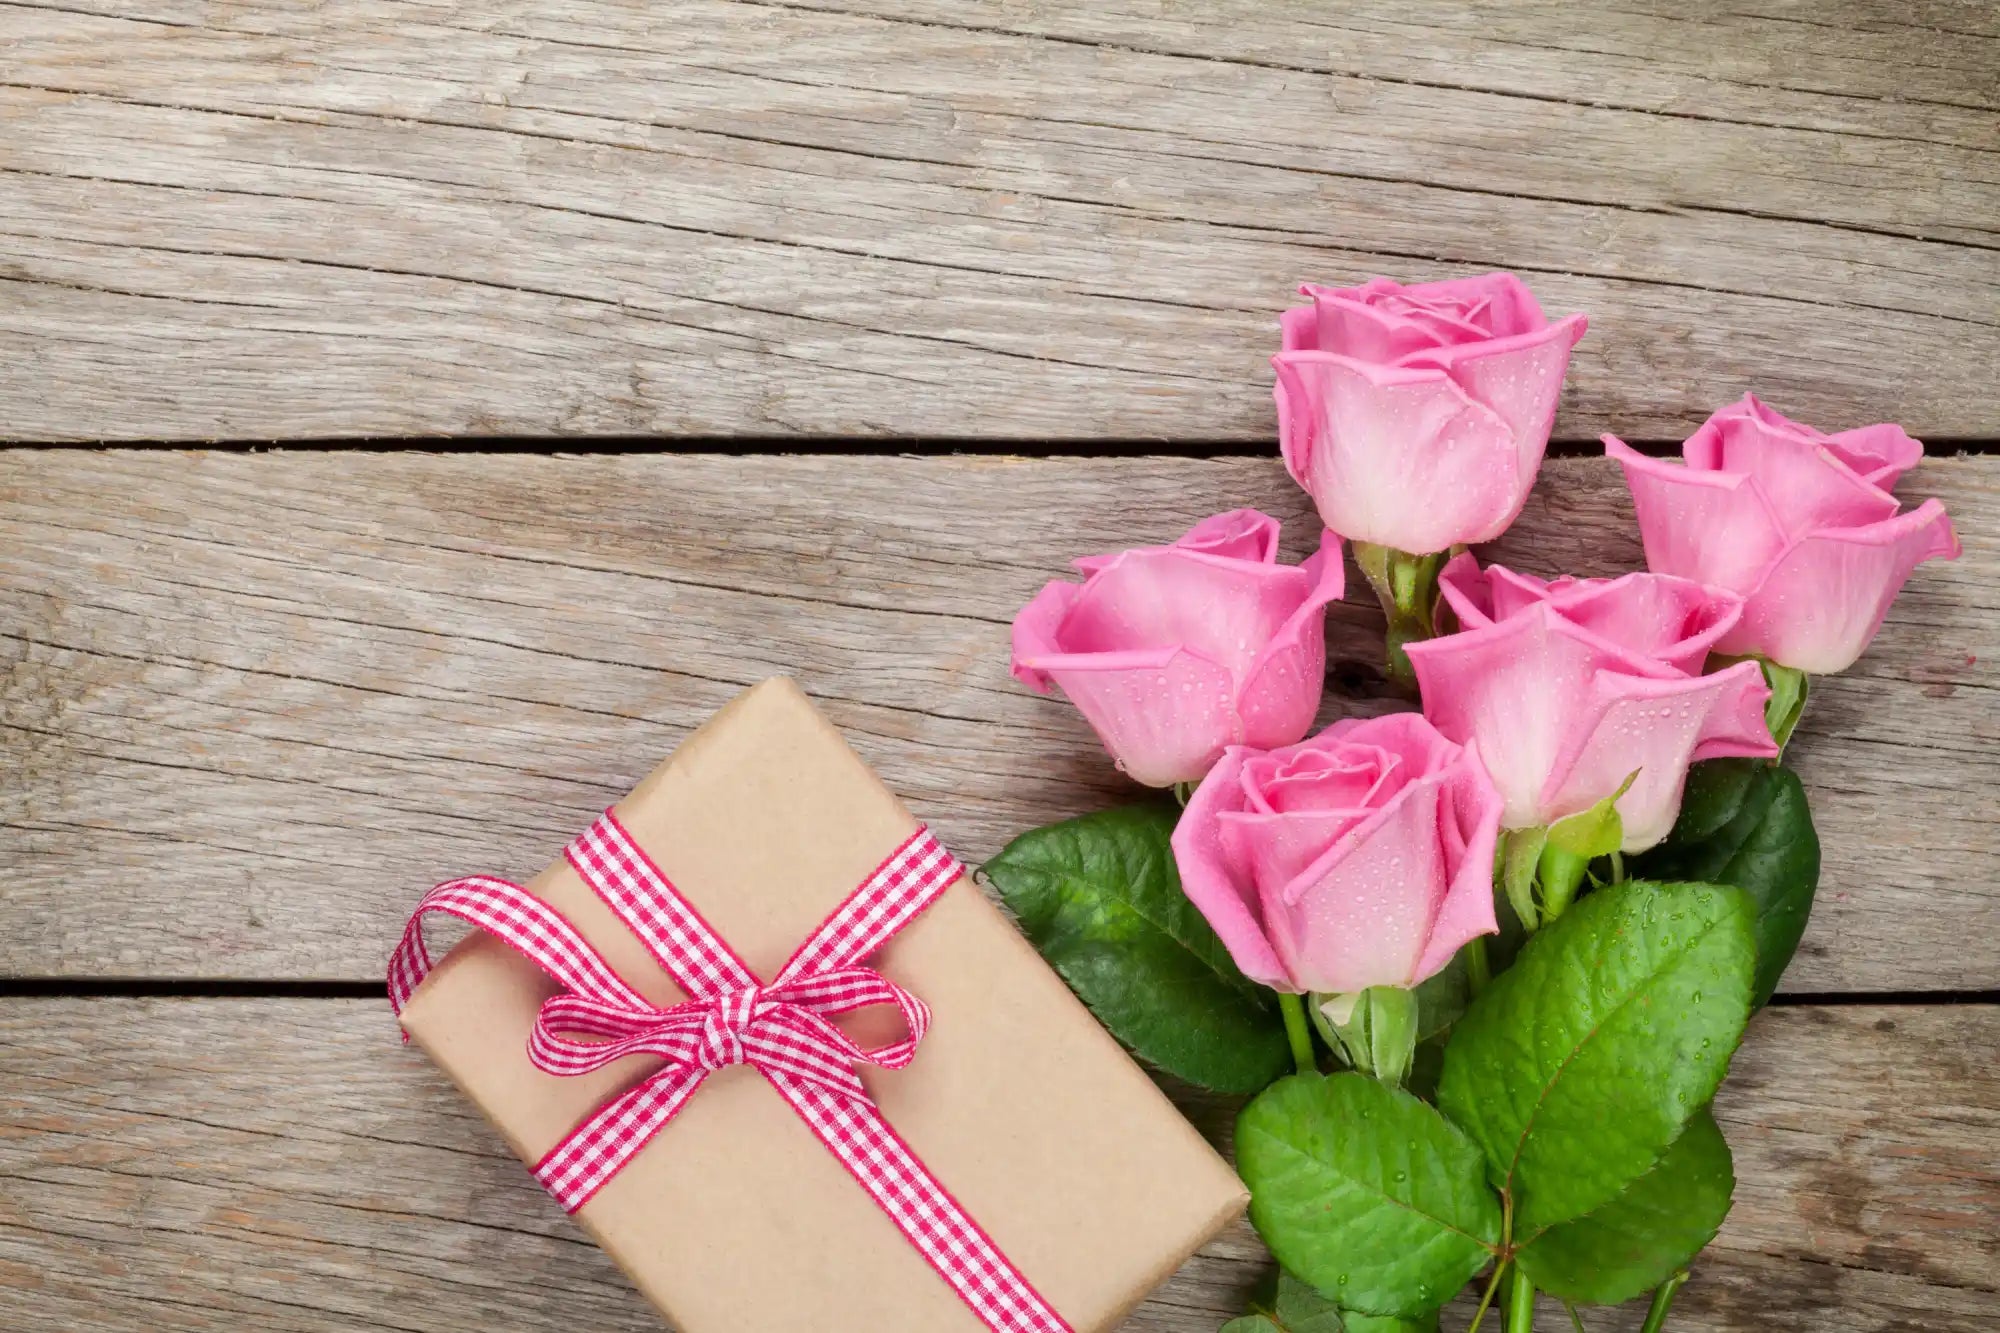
(730, 1017)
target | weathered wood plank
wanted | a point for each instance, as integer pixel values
(1828, 67)
(251, 704)
(921, 217)
(282, 1164)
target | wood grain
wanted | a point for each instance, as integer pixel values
(200, 1165)
(929, 217)
(251, 704)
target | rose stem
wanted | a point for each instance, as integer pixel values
(1486, 1301)
(1478, 971)
(1299, 1031)
(1617, 867)
(1663, 1300)
(1520, 1303)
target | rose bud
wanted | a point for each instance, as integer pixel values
(1574, 688)
(1800, 524)
(1417, 416)
(1174, 653)
(1362, 857)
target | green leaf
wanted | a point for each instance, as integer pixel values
(1598, 831)
(1443, 996)
(1745, 822)
(1298, 1308)
(1648, 1233)
(1520, 854)
(1715, 792)
(1561, 874)
(1288, 1306)
(1581, 1064)
(1366, 1192)
(1789, 689)
(1376, 1323)
(1101, 898)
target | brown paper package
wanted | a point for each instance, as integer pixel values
(735, 1219)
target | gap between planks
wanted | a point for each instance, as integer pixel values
(750, 446)
(153, 1177)
(254, 703)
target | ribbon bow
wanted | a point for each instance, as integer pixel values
(781, 1029)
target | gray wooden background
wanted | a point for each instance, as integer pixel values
(620, 354)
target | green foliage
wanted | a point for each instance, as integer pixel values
(1366, 1192)
(1293, 1307)
(1582, 1064)
(1520, 858)
(1746, 822)
(1645, 1235)
(1789, 690)
(1379, 1035)
(1576, 1083)
(1377, 1323)
(1598, 831)
(1442, 997)
(1101, 898)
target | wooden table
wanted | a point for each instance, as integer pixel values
(634, 352)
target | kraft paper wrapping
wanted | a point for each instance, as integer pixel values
(736, 1219)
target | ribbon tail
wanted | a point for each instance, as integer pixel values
(922, 1208)
(599, 1148)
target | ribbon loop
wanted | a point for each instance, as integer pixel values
(782, 1029)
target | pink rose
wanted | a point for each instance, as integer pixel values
(1417, 416)
(1570, 687)
(1362, 857)
(1801, 524)
(1176, 652)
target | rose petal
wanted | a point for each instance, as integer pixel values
(1401, 458)
(1240, 534)
(1655, 728)
(1470, 813)
(1273, 850)
(1355, 322)
(1360, 915)
(1222, 893)
(1166, 597)
(1467, 591)
(1825, 597)
(1298, 329)
(1519, 378)
(1281, 689)
(1162, 724)
(1656, 616)
(1711, 527)
(1803, 482)
(1504, 305)
(1300, 779)
(1502, 688)
(1035, 629)
(1516, 690)
(1879, 454)
(1674, 620)
(1408, 736)
(1513, 592)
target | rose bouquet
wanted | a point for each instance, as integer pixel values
(1480, 967)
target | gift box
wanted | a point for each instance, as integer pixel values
(738, 1216)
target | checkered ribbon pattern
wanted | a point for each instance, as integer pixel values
(779, 1028)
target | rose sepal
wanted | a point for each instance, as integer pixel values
(1374, 1030)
